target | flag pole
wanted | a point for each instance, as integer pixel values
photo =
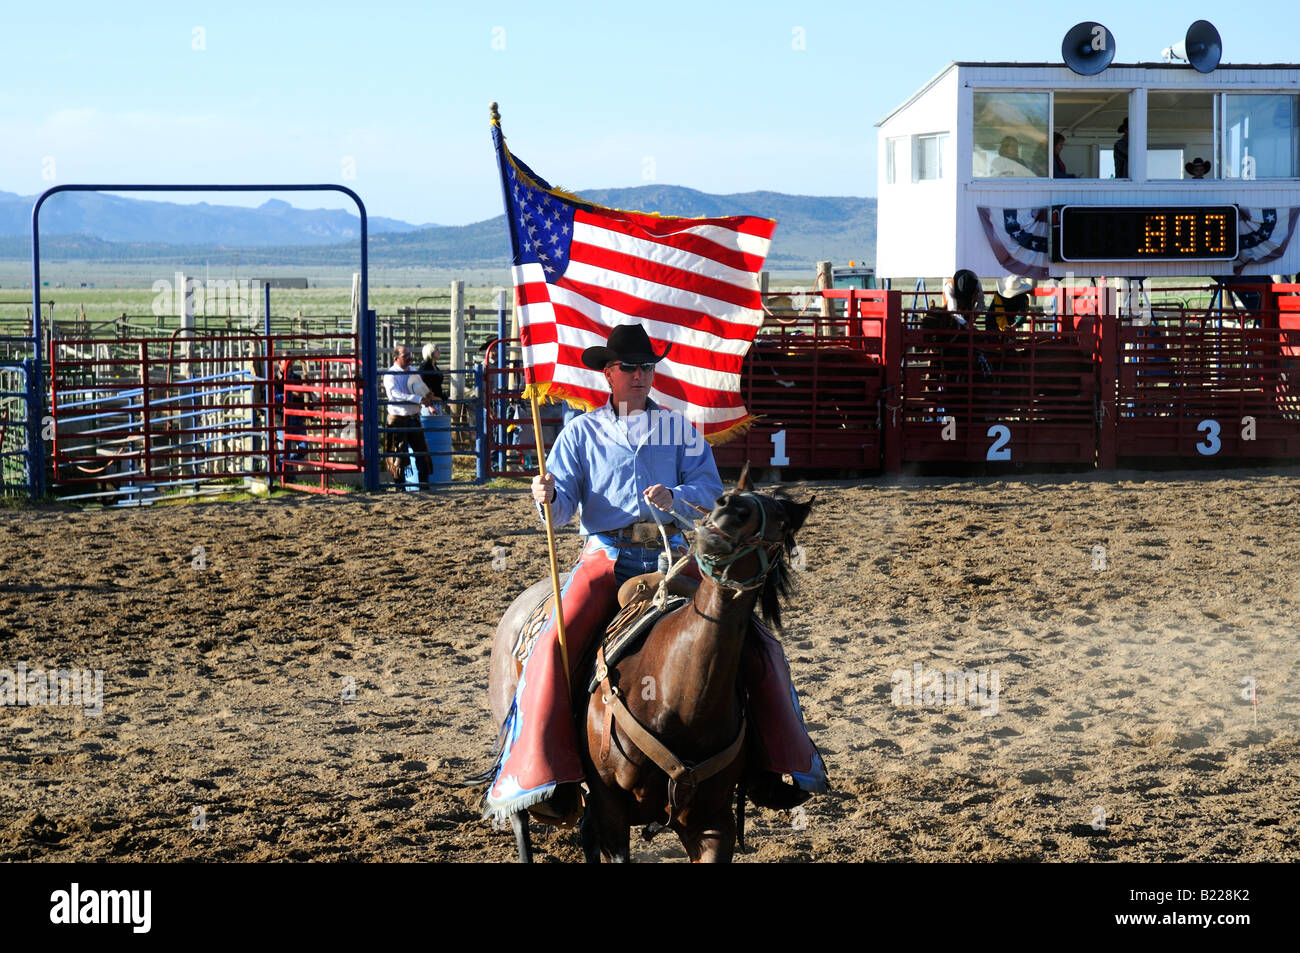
(550, 544)
(499, 141)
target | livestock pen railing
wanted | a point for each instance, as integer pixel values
(851, 381)
(1208, 382)
(133, 419)
(1027, 392)
(818, 385)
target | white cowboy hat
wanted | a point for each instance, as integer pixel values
(1013, 285)
(428, 351)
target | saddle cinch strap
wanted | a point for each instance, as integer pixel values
(681, 774)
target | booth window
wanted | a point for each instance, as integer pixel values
(1011, 135)
(928, 156)
(1093, 128)
(1261, 136)
(1180, 130)
(895, 159)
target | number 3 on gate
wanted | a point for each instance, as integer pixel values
(999, 450)
(1212, 445)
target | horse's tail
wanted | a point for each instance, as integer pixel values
(486, 776)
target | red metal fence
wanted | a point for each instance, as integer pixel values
(134, 417)
(1209, 382)
(818, 388)
(1027, 394)
(1082, 380)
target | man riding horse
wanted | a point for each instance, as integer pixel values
(636, 472)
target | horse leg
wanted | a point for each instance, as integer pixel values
(713, 843)
(519, 821)
(590, 839)
(611, 831)
(740, 817)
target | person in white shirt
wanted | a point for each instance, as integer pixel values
(406, 394)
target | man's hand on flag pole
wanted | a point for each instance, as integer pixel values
(544, 488)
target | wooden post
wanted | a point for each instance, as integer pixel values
(823, 283)
(457, 355)
(550, 547)
(891, 416)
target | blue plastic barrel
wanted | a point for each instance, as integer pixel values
(437, 434)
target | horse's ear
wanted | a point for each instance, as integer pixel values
(797, 513)
(744, 483)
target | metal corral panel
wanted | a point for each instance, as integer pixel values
(1026, 395)
(816, 385)
(1202, 385)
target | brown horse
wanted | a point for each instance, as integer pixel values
(679, 701)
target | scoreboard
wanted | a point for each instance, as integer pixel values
(1145, 233)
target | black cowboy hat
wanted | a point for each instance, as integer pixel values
(628, 343)
(1197, 166)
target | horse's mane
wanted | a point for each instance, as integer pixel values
(779, 586)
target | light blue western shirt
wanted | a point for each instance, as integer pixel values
(602, 469)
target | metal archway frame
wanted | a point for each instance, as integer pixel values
(370, 401)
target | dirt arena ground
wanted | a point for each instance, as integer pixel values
(1123, 618)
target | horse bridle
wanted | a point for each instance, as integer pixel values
(768, 551)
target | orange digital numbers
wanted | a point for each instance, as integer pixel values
(1216, 226)
(1155, 232)
(1185, 234)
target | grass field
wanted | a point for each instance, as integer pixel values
(102, 293)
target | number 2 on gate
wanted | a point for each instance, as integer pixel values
(999, 449)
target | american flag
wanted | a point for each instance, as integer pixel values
(581, 269)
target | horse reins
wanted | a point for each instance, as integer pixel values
(685, 778)
(757, 542)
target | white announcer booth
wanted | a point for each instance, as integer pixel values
(1143, 170)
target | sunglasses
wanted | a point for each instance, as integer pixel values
(633, 368)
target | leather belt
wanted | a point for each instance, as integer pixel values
(645, 535)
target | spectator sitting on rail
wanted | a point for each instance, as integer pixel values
(963, 295)
(962, 292)
(1010, 304)
(432, 376)
(406, 394)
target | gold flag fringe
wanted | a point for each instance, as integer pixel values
(551, 391)
(738, 429)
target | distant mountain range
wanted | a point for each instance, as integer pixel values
(96, 227)
(114, 218)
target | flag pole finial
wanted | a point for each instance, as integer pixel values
(496, 116)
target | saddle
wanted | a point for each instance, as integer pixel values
(638, 613)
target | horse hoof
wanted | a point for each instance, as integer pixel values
(650, 830)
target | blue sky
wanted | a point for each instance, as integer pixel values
(391, 98)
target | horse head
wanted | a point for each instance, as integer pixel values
(743, 543)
